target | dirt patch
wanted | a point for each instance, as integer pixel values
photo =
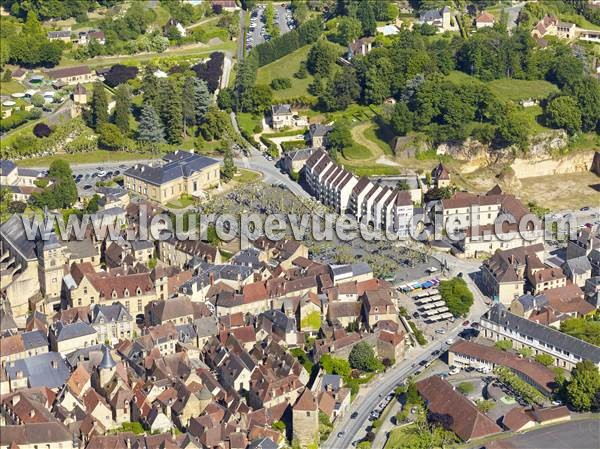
(563, 191)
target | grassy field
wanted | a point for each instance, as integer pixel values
(532, 116)
(248, 122)
(86, 158)
(181, 203)
(10, 87)
(509, 88)
(176, 53)
(244, 176)
(285, 68)
(370, 133)
(515, 90)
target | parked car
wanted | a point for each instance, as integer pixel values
(354, 415)
(466, 323)
(450, 341)
(341, 434)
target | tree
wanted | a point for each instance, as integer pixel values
(63, 193)
(366, 16)
(545, 359)
(583, 386)
(110, 137)
(172, 113)
(321, 58)
(196, 99)
(582, 328)
(341, 91)
(37, 100)
(122, 108)
(564, 112)
(362, 357)
(150, 87)
(7, 77)
(525, 352)
(587, 93)
(457, 296)
(41, 130)
(504, 345)
(349, 29)
(512, 130)
(5, 199)
(99, 106)
(340, 136)
(401, 119)
(119, 74)
(150, 127)
(229, 169)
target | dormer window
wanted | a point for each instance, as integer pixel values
(114, 293)
(138, 291)
(126, 293)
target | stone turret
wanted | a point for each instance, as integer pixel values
(107, 367)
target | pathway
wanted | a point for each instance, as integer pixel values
(377, 153)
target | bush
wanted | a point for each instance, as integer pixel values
(362, 357)
(466, 387)
(17, 207)
(505, 345)
(41, 130)
(42, 183)
(457, 296)
(281, 83)
(418, 334)
(545, 359)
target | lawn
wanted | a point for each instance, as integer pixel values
(285, 68)
(531, 116)
(515, 90)
(244, 176)
(357, 153)
(371, 134)
(181, 203)
(89, 157)
(10, 87)
(248, 122)
(509, 88)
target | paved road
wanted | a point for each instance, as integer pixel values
(367, 400)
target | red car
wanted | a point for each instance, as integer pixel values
(466, 323)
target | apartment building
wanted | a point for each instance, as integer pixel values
(500, 324)
(182, 172)
(382, 206)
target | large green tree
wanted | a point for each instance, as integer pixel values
(457, 296)
(584, 386)
(564, 112)
(122, 108)
(150, 127)
(363, 357)
(172, 112)
(99, 106)
(321, 58)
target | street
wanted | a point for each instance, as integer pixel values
(366, 401)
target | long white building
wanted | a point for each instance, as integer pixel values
(381, 206)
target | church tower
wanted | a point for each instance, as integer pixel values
(107, 367)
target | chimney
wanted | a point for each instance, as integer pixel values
(211, 277)
(54, 364)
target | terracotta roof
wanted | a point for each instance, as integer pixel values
(516, 418)
(306, 402)
(541, 375)
(79, 377)
(467, 421)
(550, 413)
(485, 17)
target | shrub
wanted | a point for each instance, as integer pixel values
(545, 359)
(17, 207)
(505, 345)
(466, 387)
(281, 83)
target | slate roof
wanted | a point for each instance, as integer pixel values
(39, 370)
(281, 109)
(34, 339)
(578, 265)
(110, 313)
(180, 164)
(6, 167)
(68, 72)
(500, 316)
(14, 232)
(73, 330)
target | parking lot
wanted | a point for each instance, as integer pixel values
(257, 32)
